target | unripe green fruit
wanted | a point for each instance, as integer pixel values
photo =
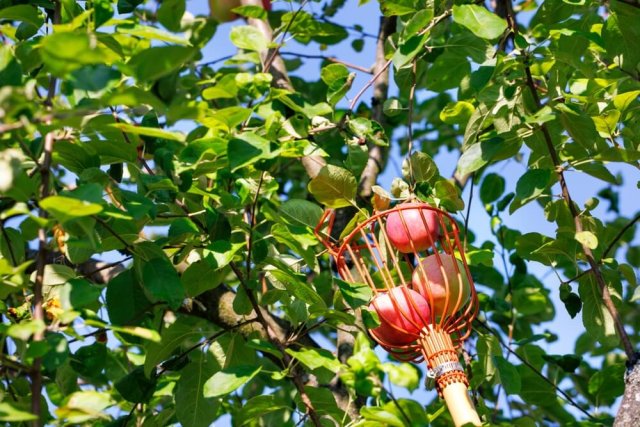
(436, 282)
(220, 10)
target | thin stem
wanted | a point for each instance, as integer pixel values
(619, 236)
(412, 94)
(276, 51)
(466, 218)
(371, 81)
(252, 224)
(535, 370)
(41, 259)
(330, 59)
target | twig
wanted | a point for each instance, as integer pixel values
(330, 59)
(252, 223)
(275, 52)
(619, 236)
(114, 233)
(371, 81)
(535, 370)
(435, 21)
(466, 218)
(128, 141)
(41, 259)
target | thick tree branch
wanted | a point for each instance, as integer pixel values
(273, 63)
(380, 93)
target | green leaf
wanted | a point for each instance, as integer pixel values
(301, 212)
(587, 238)
(246, 149)
(67, 208)
(422, 166)
(533, 184)
(83, 406)
(447, 72)
(403, 375)
(397, 7)
(317, 358)
(126, 300)
(23, 13)
(620, 35)
(249, 38)
(608, 384)
(257, 407)
(229, 380)
(65, 52)
(10, 70)
(192, 408)
(479, 154)
(392, 107)
(161, 279)
(170, 14)
(334, 187)
(338, 79)
(408, 50)
(11, 414)
(479, 21)
(355, 294)
(457, 113)
(184, 331)
(149, 131)
(201, 276)
(136, 387)
(156, 62)
(368, 130)
(447, 195)
(595, 317)
(492, 188)
(571, 300)
(509, 376)
(534, 389)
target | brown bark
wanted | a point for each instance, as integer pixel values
(629, 412)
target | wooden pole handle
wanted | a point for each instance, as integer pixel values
(459, 404)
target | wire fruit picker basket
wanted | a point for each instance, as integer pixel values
(412, 259)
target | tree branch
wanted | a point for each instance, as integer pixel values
(380, 93)
(273, 63)
(619, 236)
(41, 259)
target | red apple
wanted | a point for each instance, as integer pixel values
(422, 233)
(220, 10)
(402, 313)
(441, 280)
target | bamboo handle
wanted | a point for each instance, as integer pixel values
(460, 405)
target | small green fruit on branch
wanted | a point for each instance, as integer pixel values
(418, 225)
(434, 282)
(403, 313)
(221, 10)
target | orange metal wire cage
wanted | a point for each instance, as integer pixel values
(430, 261)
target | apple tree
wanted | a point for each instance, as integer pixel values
(161, 174)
